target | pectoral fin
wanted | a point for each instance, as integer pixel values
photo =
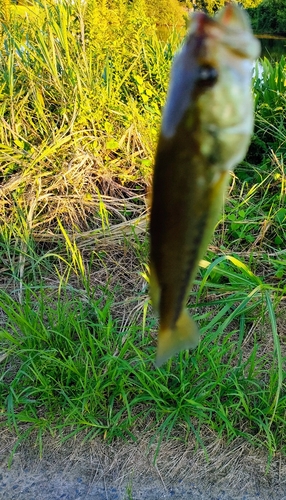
(185, 335)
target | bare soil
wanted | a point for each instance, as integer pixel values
(126, 471)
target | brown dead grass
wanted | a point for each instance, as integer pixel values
(237, 468)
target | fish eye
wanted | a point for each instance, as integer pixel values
(207, 75)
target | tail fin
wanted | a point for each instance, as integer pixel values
(185, 335)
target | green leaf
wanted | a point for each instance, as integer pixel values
(112, 144)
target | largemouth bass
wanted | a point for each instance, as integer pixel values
(206, 128)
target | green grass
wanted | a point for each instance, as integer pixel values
(68, 365)
(80, 111)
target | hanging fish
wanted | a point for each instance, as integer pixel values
(206, 128)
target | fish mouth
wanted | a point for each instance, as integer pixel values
(229, 27)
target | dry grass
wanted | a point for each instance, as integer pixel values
(237, 468)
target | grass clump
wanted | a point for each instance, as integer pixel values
(71, 362)
(82, 93)
(76, 99)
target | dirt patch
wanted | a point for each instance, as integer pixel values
(123, 471)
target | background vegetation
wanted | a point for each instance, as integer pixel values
(269, 17)
(212, 6)
(82, 87)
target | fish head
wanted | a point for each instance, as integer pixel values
(210, 89)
